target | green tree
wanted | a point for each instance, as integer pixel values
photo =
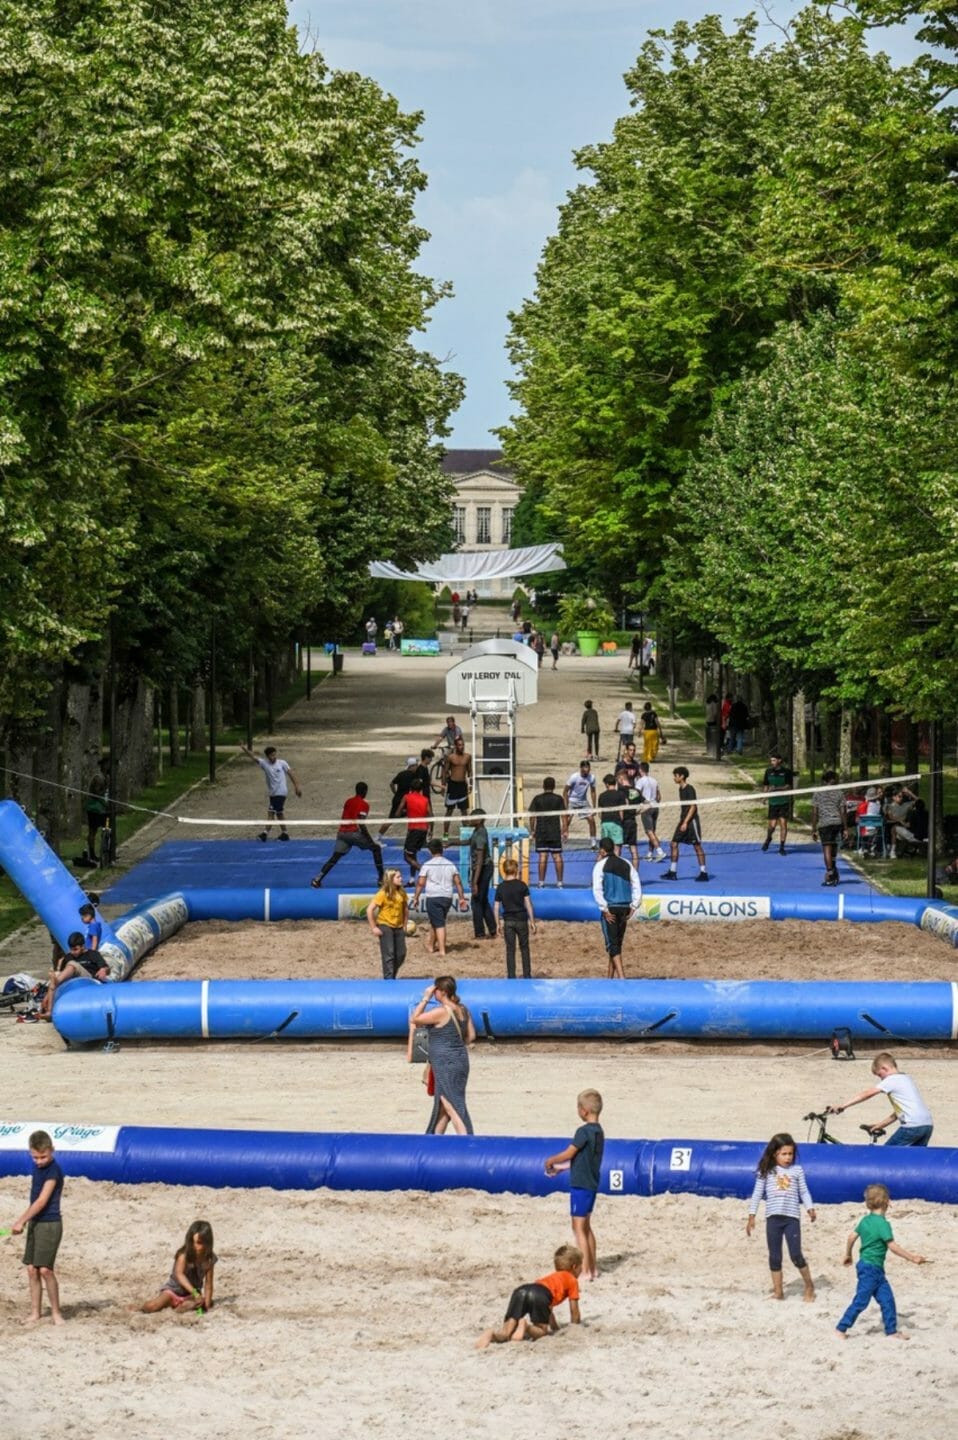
(209, 399)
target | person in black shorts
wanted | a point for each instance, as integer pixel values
(688, 831)
(777, 777)
(416, 806)
(456, 779)
(400, 785)
(545, 826)
(530, 1312)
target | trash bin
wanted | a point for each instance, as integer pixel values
(338, 658)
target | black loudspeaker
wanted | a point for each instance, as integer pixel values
(495, 754)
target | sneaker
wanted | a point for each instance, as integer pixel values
(652, 856)
(559, 885)
(669, 875)
(658, 855)
(893, 854)
(317, 882)
(262, 836)
(702, 876)
(593, 844)
(767, 842)
(781, 849)
(284, 835)
(830, 880)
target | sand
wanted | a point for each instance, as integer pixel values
(354, 1314)
(562, 950)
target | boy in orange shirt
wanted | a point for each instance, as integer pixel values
(530, 1313)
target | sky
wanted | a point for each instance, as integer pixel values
(509, 89)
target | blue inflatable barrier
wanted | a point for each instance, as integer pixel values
(497, 1164)
(85, 1012)
(46, 884)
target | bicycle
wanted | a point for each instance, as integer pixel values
(874, 1132)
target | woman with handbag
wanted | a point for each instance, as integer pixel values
(450, 1030)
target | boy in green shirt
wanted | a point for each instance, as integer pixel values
(876, 1237)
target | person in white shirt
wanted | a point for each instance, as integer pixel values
(648, 787)
(277, 774)
(439, 878)
(625, 727)
(579, 797)
(908, 1108)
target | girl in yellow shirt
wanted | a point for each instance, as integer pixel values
(388, 914)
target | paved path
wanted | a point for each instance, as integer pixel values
(362, 724)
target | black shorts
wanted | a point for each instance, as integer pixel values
(829, 834)
(414, 842)
(275, 804)
(778, 809)
(533, 1301)
(691, 835)
(630, 833)
(457, 796)
(95, 819)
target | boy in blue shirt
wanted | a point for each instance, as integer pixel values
(43, 1226)
(584, 1159)
(876, 1237)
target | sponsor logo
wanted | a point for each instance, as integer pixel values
(495, 674)
(706, 907)
(100, 1139)
(942, 924)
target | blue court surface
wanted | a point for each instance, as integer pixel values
(735, 869)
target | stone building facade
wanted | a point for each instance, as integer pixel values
(485, 502)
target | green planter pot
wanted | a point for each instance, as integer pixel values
(588, 641)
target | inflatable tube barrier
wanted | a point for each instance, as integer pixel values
(497, 1164)
(572, 904)
(46, 884)
(86, 1012)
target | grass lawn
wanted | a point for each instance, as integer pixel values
(15, 911)
(897, 877)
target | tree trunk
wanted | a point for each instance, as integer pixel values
(176, 757)
(799, 746)
(884, 742)
(911, 747)
(198, 718)
(845, 742)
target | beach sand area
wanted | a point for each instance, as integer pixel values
(355, 1314)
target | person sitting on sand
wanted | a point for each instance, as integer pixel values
(530, 1313)
(190, 1285)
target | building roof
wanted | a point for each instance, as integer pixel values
(467, 462)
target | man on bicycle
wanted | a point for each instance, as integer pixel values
(448, 735)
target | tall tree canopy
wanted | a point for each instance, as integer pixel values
(210, 402)
(749, 187)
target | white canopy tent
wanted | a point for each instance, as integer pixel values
(470, 566)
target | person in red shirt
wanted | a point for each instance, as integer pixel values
(417, 808)
(353, 835)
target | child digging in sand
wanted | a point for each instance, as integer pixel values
(530, 1313)
(190, 1286)
(780, 1182)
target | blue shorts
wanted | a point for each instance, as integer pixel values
(437, 908)
(275, 804)
(581, 1203)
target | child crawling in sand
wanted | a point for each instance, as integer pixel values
(530, 1313)
(190, 1286)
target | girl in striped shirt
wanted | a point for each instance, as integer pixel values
(780, 1182)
